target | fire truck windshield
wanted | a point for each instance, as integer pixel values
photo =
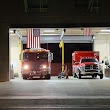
(89, 60)
(35, 56)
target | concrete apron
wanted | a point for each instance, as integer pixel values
(55, 93)
(54, 102)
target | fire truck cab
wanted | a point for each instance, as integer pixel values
(85, 63)
(36, 62)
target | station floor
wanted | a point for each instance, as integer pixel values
(56, 88)
(55, 94)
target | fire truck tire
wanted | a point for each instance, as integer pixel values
(41, 76)
(24, 77)
(47, 76)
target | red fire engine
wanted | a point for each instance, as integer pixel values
(36, 63)
(86, 63)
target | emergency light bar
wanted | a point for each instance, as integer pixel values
(36, 49)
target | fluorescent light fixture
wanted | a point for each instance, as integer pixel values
(106, 30)
(103, 33)
(11, 31)
(50, 34)
(49, 38)
(49, 30)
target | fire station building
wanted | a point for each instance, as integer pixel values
(75, 16)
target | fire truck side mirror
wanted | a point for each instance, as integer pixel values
(50, 55)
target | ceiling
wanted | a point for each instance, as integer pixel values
(71, 34)
(58, 31)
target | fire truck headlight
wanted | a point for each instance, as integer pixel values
(26, 67)
(44, 66)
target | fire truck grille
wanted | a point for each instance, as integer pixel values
(35, 67)
(89, 67)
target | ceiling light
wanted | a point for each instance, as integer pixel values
(105, 30)
(103, 33)
(50, 34)
(11, 31)
(49, 30)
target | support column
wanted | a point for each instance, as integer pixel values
(4, 52)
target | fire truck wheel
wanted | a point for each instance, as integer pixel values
(47, 76)
(24, 77)
(101, 76)
(41, 76)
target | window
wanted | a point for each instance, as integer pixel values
(89, 60)
(35, 5)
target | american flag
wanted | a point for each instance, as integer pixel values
(87, 31)
(33, 38)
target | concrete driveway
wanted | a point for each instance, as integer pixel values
(58, 88)
(86, 92)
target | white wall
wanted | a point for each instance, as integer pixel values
(102, 44)
(14, 53)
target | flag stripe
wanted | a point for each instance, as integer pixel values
(87, 32)
(33, 38)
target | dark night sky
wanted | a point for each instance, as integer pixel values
(68, 47)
